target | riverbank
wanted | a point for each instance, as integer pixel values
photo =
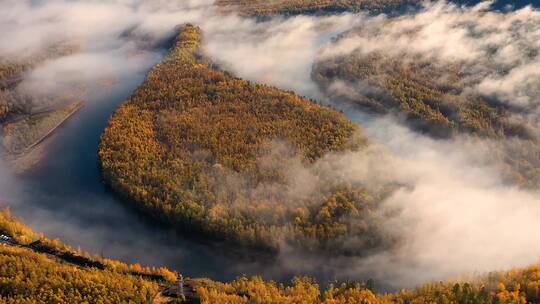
(25, 139)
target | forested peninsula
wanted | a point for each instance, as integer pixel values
(206, 152)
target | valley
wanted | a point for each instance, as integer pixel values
(317, 152)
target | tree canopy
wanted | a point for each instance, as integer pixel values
(210, 153)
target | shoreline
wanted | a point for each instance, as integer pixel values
(25, 160)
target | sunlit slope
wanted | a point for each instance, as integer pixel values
(207, 152)
(518, 286)
(39, 272)
(34, 269)
(29, 277)
(262, 7)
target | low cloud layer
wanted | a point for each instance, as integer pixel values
(456, 214)
(498, 53)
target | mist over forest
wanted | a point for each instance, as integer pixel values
(394, 141)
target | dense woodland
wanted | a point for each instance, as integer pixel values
(415, 88)
(30, 276)
(433, 99)
(209, 153)
(52, 272)
(518, 286)
(291, 7)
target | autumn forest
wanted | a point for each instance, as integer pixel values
(270, 152)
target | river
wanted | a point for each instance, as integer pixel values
(64, 198)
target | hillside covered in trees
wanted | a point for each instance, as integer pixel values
(34, 269)
(436, 95)
(209, 153)
(288, 7)
(518, 286)
(383, 83)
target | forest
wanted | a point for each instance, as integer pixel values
(517, 286)
(433, 98)
(412, 87)
(288, 7)
(206, 152)
(215, 169)
(34, 269)
(30, 276)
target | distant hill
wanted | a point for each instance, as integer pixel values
(288, 7)
(12, 72)
(434, 98)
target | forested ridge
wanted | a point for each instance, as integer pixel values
(440, 108)
(30, 276)
(434, 99)
(209, 153)
(34, 269)
(517, 286)
(291, 7)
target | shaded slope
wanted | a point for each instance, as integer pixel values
(468, 86)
